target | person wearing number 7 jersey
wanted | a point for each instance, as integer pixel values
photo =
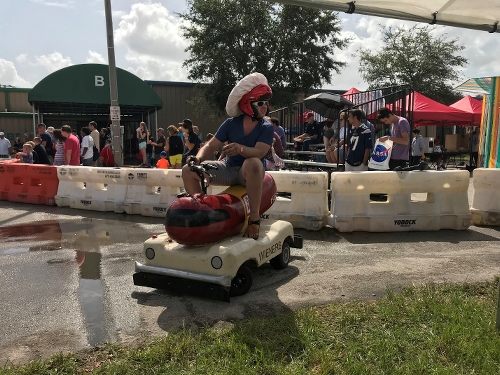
(359, 143)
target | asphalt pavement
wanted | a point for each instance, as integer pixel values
(66, 277)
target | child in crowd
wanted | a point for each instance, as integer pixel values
(43, 158)
(106, 155)
(163, 162)
(26, 155)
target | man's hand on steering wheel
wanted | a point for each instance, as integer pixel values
(192, 158)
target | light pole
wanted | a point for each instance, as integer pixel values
(114, 109)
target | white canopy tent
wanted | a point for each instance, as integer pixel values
(470, 14)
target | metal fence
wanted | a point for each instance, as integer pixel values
(399, 99)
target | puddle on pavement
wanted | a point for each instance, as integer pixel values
(52, 235)
(91, 293)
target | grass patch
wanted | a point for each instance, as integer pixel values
(433, 329)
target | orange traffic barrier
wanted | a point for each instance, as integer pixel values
(31, 183)
(8, 161)
(6, 176)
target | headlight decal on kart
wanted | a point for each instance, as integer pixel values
(150, 253)
(216, 262)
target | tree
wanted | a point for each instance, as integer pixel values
(293, 47)
(416, 58)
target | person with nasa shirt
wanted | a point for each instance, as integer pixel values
(359, 142)
(400, 136)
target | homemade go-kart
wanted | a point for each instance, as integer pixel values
(196, 256)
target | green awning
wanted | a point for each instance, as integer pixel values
(84, 89)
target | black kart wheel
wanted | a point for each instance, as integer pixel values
(281, 260)
(242, 282)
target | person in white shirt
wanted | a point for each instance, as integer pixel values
(94, 133)
(5, 146)
(86, 148)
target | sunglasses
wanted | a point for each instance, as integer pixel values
(261, 103)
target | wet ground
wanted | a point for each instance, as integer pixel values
(67, 277)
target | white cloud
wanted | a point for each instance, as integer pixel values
(94, 57)
(52, 62)
(22, 58)
(151, 68)
(9, 75)
(154, 42)
(60, 4)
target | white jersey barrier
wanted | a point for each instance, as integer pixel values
(150, 191)
(439, 201)
(91, 188)
(485, 208)
(305, 202)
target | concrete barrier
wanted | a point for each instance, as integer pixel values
(92, 188)
(305, 200)
(399, 201)
(150, 191)
(485, 208)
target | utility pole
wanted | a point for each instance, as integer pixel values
(114, 109)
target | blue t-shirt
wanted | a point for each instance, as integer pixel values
(281, 133)
(359, 140)
(48, 140)
(231, 130)
(27, 159)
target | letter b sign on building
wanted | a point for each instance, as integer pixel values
(99, 81)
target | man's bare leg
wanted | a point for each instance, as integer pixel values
(253, 174)
(191, 181)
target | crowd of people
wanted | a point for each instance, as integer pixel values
(61, 146)
(168, 150)
(351, 139)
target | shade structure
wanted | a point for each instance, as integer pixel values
(326, 104)
(477, 14)
(430, 112)
(489, 137)
(481, 85)
(470, 105)
(352, 90)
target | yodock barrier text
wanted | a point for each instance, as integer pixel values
(302, 199)
(485, 208)
(400, 201)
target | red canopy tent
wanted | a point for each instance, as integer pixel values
(429, 112)
(352, 90)
(470, 105)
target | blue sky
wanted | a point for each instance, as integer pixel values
(39, 37)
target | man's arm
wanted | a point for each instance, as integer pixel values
(368, 147)
(259, 151)
(366, 157)
(208, 150)
(403, 140)
(68, 156)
